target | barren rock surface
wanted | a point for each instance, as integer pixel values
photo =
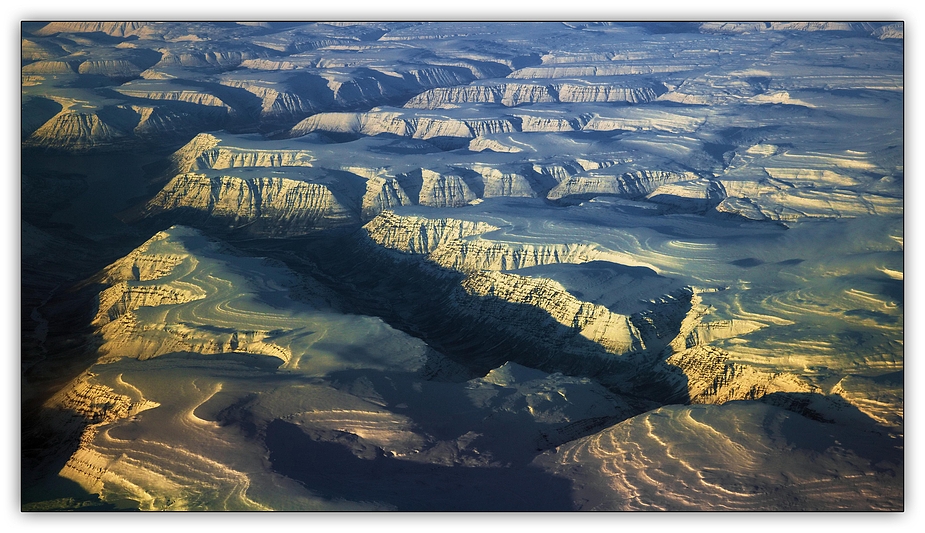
(463, 266)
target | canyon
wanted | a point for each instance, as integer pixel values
(462, 266)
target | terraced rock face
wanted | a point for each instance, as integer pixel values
(463, 266)
(269, 206)
(513, 94)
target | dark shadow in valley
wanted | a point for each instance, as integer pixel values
(844, 426)
(480, 333)
(367, 474)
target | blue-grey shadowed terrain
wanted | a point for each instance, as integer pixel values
(462, 266)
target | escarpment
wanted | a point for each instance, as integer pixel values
(513, 94)
(270, 206)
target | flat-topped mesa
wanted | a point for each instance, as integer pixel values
(629, 184)
(276, 103)
(207, 151)
(51, 66)
(405, 124)
(111, 68)
(476, 254)
(572, 71)
(458, 244)
(116, 29)
(190, 96)
(266, 206)
(420, 235)
(513, 94)
(217, 58)
(77, 131)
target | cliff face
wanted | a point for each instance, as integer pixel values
(77, 131)
(465, 123)
(112, 68)
(673, 348)
(420, 235)
(277, 103)
(402, 124)
(786, 201)
(77, 128)
(444, 190)
(454, 185)
(200, 98)
(267, 206)
(630, 184)
(116, 29)
(458, 245)
(95, 405)
(206, 151)
(615, 333)
(382, 194)
(513, 94)
(498, 182)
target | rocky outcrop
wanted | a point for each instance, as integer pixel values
(465, 123)
(548, 72)
(218, 58)
(630, 184)
(159, 122)
(480, 254)
(497, 182)
(276, 103)
(706, 371)
(111, 68)
(696, 195)
(116, 29)
(206, 151)
(497, 294)
(514, 94)
(420, 235)
(674, 349)
(383, 193)
(444, 190)
(769, 199)
(460, 244)
(189, 96)
(37, 50)
(74, 130)
(87, 407)
(269, 206)
(50, 67)
(712, 378)
(403, 124)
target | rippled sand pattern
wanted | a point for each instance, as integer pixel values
(214, 303)
(732, 457)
